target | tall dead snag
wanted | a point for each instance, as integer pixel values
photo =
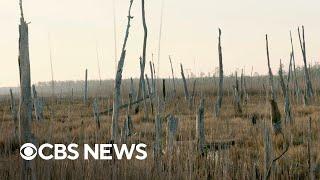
(273, 93)
(142, 89)
(220, 90)
(296, 85)
(25, 106)
(186, 92)
(14, 113)
(85, 97)
(200, 128)
(308, 86)
(173, 79)
(37, 105)
(118, 79)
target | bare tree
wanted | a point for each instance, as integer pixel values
(309, 89)
(220, 90)
(118, 79)
(273, 93)
(25, 106)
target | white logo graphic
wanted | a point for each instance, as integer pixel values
(28, 151)
(48, 151)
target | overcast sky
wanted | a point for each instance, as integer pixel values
(78, 28)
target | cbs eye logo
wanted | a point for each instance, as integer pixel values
(28, 151)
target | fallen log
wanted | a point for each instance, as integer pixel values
(124, 105)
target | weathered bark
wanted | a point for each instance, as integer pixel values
(200, 128)
(270, 72)
(14, 113)
(118, 79)
(220, 89)
(37, 105)
(144, 93)
(25, 105)
(309, 89)
(85, 98)
(173, 79)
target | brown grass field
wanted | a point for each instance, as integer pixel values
(244, 159)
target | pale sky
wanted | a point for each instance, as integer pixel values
(190, 30)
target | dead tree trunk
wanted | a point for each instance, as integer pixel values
(25, 106)
(186, 92)
(220, 90)
(286, 91)
(14, 113)
(273, 93)
(296, 85)
(85, 98)
(173, 79)
(200, 128)
(118, 79)
(142, 89)
(38, 109)
(308, 86)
